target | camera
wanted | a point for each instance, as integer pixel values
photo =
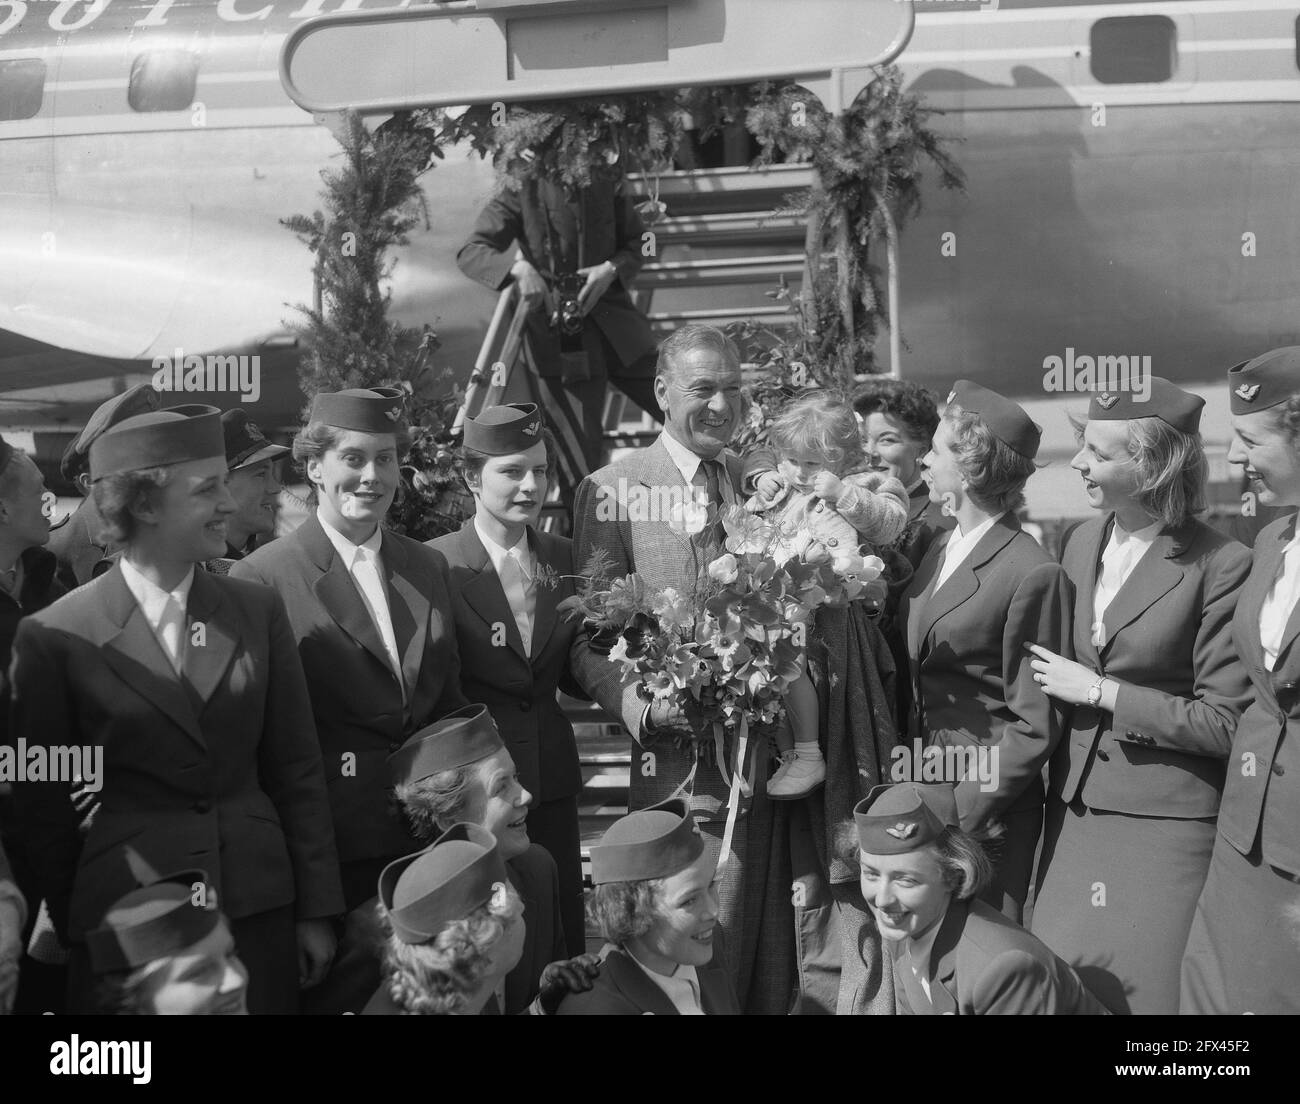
(566, 322)
(567, 317)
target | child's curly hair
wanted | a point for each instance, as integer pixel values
(819, 423)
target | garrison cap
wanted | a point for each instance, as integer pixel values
(140, 399)
(1172, 405)
(1006, 420)
(1268, 380)
(364, 409)
(465, 736)
(152, 921)
(170, 436)
(896, 819)
(245, 442)
(6, 454)
(460, 871)
(504, 430)
(652, 843)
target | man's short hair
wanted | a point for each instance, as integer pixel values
(689, 338)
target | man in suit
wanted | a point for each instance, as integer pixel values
(76, 544)
(507, 581)
(951, 954)
(185, 695)
(629, 511)
(251, 461)
(371, 611)
(27, 584)
(537, 236)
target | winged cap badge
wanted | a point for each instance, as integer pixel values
(254, 431)
(902, 830)
(1247, 392)
(951, 396)
(531, 430)
(1106, 400)
(394, 414)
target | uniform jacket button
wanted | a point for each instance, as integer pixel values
(1278, 769)
(203, 807)
(524, 706)
(394, 745)
(1103, 755)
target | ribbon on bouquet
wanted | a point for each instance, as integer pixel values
(737, 784)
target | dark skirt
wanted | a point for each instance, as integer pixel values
(1243, 953)
(1126, 946)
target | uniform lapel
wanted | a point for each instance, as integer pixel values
(484, 593)
(1087, 544)
(547, 597)
(962, 584)
(1293, 621)
(136, 657)
(1154, 576)
(408, 606)
(943, 959)
(1268, 560)
(638, 989)
(205, 663)
(338, 593)
(926, 576)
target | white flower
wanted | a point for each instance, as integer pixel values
(687, 517)
(724, 568)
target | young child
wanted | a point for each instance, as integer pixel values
(816, 494)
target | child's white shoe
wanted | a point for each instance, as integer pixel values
(796, 777)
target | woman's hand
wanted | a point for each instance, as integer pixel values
(573, 975)
(1064, 679)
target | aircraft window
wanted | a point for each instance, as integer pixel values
(163, 80)
(22, 86)
(1134, 49)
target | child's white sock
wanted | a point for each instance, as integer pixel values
(810, 751)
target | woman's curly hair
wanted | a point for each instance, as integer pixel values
(622, 911)
(118, 496)
(434, 804)
(438, 977)
(995, 473)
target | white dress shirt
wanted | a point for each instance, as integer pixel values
(688, 463)
(918, 953)
(516, 568)
(1124, 551)
(960, 546)
(683, 988)
(1280, 601)
(366, 567)
(163, 610)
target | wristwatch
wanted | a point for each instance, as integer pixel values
(1094, 692)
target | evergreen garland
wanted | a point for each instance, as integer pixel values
(371, 204)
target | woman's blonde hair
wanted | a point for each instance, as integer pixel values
(438, 977)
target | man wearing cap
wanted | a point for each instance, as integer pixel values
(186, 697)
(1154, 697)
(165, 949)
(454, 921)
(77, 544)
(626, 512)
(459, 770)
(985, 591)
(655, 900)
(951, 953)
(371, 611)
(507, 581)
(251, 460)
(1242, 952)
(27, 584)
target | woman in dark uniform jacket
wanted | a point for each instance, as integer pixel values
(371, 612)
(982, 592)
(655, 901)
(191, 686)
(1243, 952)
(459, 771)
(509, 461)
(1135, 782)
(951, 954)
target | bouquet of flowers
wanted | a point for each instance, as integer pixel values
(726, 652)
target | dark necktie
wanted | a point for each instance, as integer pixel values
(712, 536)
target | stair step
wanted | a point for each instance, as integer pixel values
(663, 320)
(725, 270)
(734, 227)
